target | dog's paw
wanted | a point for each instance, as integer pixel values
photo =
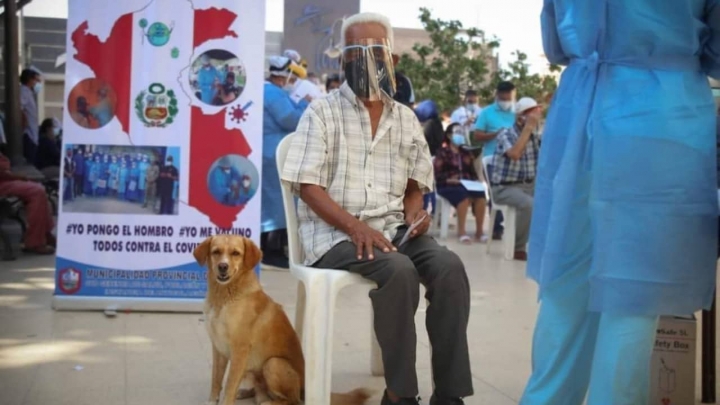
(246, 393)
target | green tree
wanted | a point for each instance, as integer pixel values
(456, 59)
(540, 87)
(453, 61)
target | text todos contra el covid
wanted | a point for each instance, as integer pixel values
(144, 238)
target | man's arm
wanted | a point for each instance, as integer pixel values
(413, 201)
(480, 135)
(517, 150)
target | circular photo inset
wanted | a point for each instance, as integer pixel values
(233, 180)
(217, 77)
(92, 103)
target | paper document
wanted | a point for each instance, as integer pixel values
(414, 225)
(305, 88)
(471, 185)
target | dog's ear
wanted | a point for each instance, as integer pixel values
(202, 251)
(252, 254)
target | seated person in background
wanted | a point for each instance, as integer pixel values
(48, 155)
(427, 113)
(357, 199)
(452, 164)
(38, 237)
(514, 167)
(333, 82)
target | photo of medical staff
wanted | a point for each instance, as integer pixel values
(233, 180)
(114, 179)
(217, 77)
(92, 103)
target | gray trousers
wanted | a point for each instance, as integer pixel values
(519, 196)
(395, 301)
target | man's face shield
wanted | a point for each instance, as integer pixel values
(368, 67)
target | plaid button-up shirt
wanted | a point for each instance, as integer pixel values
(506, 170)
(333, 148)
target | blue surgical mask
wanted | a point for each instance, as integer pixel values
(37, 88)
(458, 139)
(56, 131)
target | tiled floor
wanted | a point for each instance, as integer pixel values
(78, 358)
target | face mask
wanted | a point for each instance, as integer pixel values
(56, 131)
(169, 162)
(367, 70)
(505, 105)
(458, 139)
(37, 88)
(246, 184)
(226, 170)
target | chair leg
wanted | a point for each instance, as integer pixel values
(318, 339)
(493, 214)
(509, 237)
(300, 310)
(376, 364)
(444, 219)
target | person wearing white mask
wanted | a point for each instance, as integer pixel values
(493, 119)
(280, 117)
(467, 113)
(31, 85)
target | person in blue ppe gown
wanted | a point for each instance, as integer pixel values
(102, 111)
(113, 173)
(280, 117)
(103, 176)
(132, 188)
(208, 78)
(143, 165)
(246, 190)
(625, 213)
(225, 182)
(87, 183)
(123, 174)
(95, 169)
(79, 176)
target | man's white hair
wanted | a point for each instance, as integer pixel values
(363, 18)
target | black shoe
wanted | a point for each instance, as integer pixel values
(402, 401)
(276, 259)
(434, 400)
(497, 236)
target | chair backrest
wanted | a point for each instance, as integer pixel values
(486, 162)
(294, 250)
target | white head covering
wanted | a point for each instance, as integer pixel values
(525, 104)
(280, 66)
(293, 55)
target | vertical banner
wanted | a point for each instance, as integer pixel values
(163, 136)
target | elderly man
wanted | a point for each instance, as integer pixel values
(360, 165)
(514, 165)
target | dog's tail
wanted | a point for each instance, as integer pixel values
(354, 397)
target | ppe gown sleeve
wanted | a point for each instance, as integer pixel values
(551, 38)
(710, 57)
(285, 112)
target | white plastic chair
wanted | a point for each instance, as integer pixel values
(508, 215)
(317, 294)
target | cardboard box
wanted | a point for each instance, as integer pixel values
(672, 368)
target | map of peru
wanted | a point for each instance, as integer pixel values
(210, 139)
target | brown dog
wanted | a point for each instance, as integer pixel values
(249, 330)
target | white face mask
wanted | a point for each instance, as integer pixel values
(37, 88)
(226, 170)
(505, 105)
(246, 184)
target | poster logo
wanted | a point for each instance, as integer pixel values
(69, 280)
(156, 106)
(158, 34)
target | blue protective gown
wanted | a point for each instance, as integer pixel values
(94, 176)
(113, 169)
(626, 178)
(280, 118)
(625, 212)
(132, 193)
(221, 185)
(122, 181)
(104, 176)
(207, 77)
(87, 186)
(103, 112)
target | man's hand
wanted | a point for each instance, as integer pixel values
(533, 118)
(366, 238)
(308, 98)
(423, 227)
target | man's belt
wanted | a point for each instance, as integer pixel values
(512, 183)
